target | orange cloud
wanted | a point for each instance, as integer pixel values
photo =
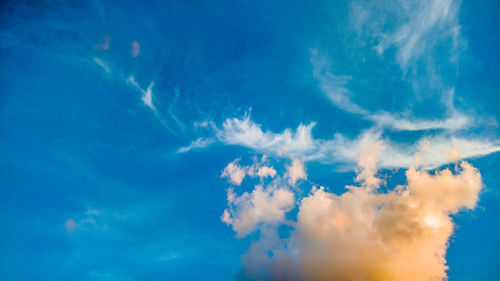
(362, 234)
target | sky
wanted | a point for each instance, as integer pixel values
(249, 140)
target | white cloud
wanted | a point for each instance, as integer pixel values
(198, 143)
(147, 95)
(367, 165)
(434, 151)
(296, 171)
(424, 23)
(301, 144)
(102, 63)
(263, 205)
(335, 88)
(247, 133)
(396, 122)
(234, 172)
(266, 172)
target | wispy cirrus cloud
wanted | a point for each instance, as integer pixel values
(103, 64)
(336, 89)
(301, 144)
(147, 95)
(397, 122)
(414, 37)
(198, 143)
(414, 28)
(169, 120)
(334, 86)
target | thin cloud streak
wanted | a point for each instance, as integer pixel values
(434, 18)
(335, 88)
(147, 95)
(171, 122)
(196, 144)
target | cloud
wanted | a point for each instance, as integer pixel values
(362, 234)
(136, 49)
(428, 20)
(454, 153)
(335, 88)
(413, 28)
(70, 225)
(102, 63)
(396, 122)
(399, 235)
(266, 172)
(301, 144)
(434, 151)
(168, 120)
(296, 171)
(367, 165)
(247, 133)
(104, 44)
(92, 219)
(198, 143)
(147, 95)
(236, 173)
(262, 206)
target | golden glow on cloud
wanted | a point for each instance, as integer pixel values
(362, 234)
(399, 235)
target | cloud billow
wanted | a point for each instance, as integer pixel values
(361, 234)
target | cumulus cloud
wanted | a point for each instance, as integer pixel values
(262, 206)
(136, 49)
(296, 171)
(367, 165)
(399, 235)
(236, 173)
(301, 144)
(361, 234)
(266, 172)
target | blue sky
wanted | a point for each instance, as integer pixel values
(183, 140)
